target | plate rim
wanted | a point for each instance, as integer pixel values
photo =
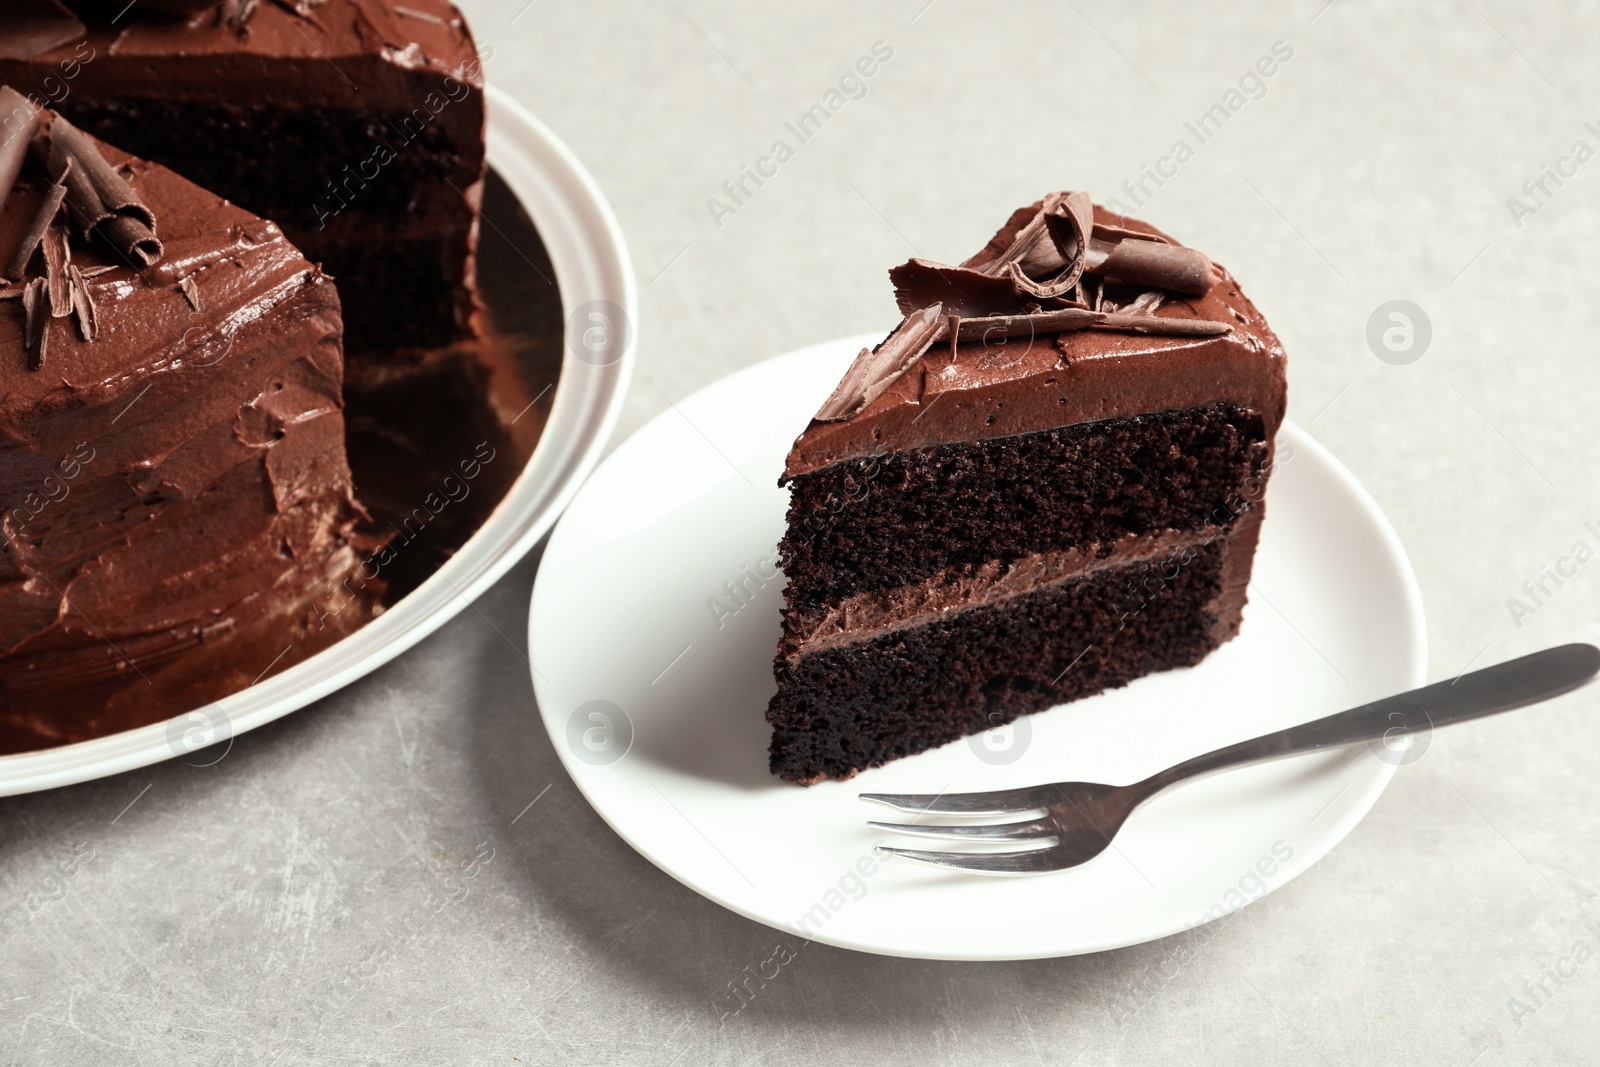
(591, 261)
(1410, 594)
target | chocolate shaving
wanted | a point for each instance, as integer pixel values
(874, 370)
(36, 228)
(1147, 302)
(962, 290)
(1163, 326)
(83, 305)
(303, 8)
(19, 122)
(99, 197)
(1058, 320)
(57, 257)
(421, 16)
(1045, 257)
(1023, 241)
(191, 291)
(36, 322)
(95, 272)
(33, 27)
(235, 13)
(1110, 233)
(11, 294)
(1154, 264)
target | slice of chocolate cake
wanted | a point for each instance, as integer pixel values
(1045, 483)
(178, 513)
(355, 125)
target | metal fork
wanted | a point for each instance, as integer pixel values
(1081, 818)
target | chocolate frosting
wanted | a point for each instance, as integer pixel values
(1003, 386)
(181, 474)
(342, 50)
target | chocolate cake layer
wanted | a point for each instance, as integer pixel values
(896, 691)
(180, 476)
(968, 504)
(356, 125)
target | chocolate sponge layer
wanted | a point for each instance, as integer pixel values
(883, 522)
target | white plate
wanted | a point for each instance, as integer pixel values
(591, 262)
(657, 713)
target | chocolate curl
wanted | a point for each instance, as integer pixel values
(963, 291)
(1025, 239)
(1069, 226)
(99, 197)
(1154, 264)
(36, 229)
(876, 369)
(33, 27)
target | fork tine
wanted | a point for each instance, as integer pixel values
(1031, 830)
(1034, 861)
(998, 802)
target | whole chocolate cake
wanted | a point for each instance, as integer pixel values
(1046, 482)
(178, 507)
(356, 125)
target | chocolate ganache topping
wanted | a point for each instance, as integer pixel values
(1070, 314)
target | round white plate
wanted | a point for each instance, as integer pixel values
(654, 699)
(591, 262)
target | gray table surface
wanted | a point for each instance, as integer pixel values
(288, 905)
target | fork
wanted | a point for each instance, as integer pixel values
(1081, 818)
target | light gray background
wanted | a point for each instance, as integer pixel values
(290, 904)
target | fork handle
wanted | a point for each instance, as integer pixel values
(1503, 687)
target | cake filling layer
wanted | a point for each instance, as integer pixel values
(866, 615)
